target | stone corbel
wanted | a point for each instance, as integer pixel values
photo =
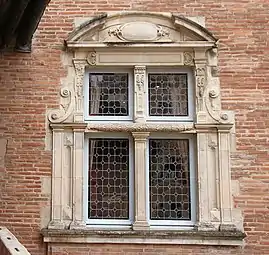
(79, 66)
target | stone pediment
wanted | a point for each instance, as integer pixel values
(139, 28)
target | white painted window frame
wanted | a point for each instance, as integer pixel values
(161, 120)
(161, 224)
(128, 70)
(105, 222)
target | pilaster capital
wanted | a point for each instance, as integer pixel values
(140, 136)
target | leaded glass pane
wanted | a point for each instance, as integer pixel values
(108, 94)
(168, 94)
(108, 179)
(169, 179)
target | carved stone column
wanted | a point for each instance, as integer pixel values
(79, 82)
(78, 173)
(140, 219)
(139, 105)
(57, 180)
(226, 203)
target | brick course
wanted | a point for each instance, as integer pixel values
(29, 85)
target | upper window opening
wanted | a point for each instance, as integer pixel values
(168, 94)
(108, 94)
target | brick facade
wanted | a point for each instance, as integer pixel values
(29, 85)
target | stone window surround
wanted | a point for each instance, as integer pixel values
(192, 46)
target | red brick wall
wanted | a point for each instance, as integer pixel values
(29, 85)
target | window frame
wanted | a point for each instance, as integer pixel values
(160, 120)
(161, 224)
(190, 86)
(107, 222)
(128, 70)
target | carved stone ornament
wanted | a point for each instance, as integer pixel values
(139, 32)
(188, 58)
(80, 70)
(213, 106)
(140, 77)
(140, 74)
(214, 71)
(92, 58)
(60, 115)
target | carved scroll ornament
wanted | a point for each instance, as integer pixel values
(60, 115)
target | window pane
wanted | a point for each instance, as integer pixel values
(169, 179)
(108, 179)
(168, 94)
(108, 94)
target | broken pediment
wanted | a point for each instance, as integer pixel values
(138, 28)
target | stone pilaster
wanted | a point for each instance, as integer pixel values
(79, 94)
(57, 180)
(78, 175)
(204, 188)
(200, 61)
(139, 89)
(140, 219)
(226, 204)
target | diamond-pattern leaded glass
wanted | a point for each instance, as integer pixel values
(108, 94)
(169, 179)
(168, 94)
(108, 178)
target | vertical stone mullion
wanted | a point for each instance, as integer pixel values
(140, 219)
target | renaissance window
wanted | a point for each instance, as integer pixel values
(140, 139)
(110, 156)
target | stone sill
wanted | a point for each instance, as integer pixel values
(231, 238)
